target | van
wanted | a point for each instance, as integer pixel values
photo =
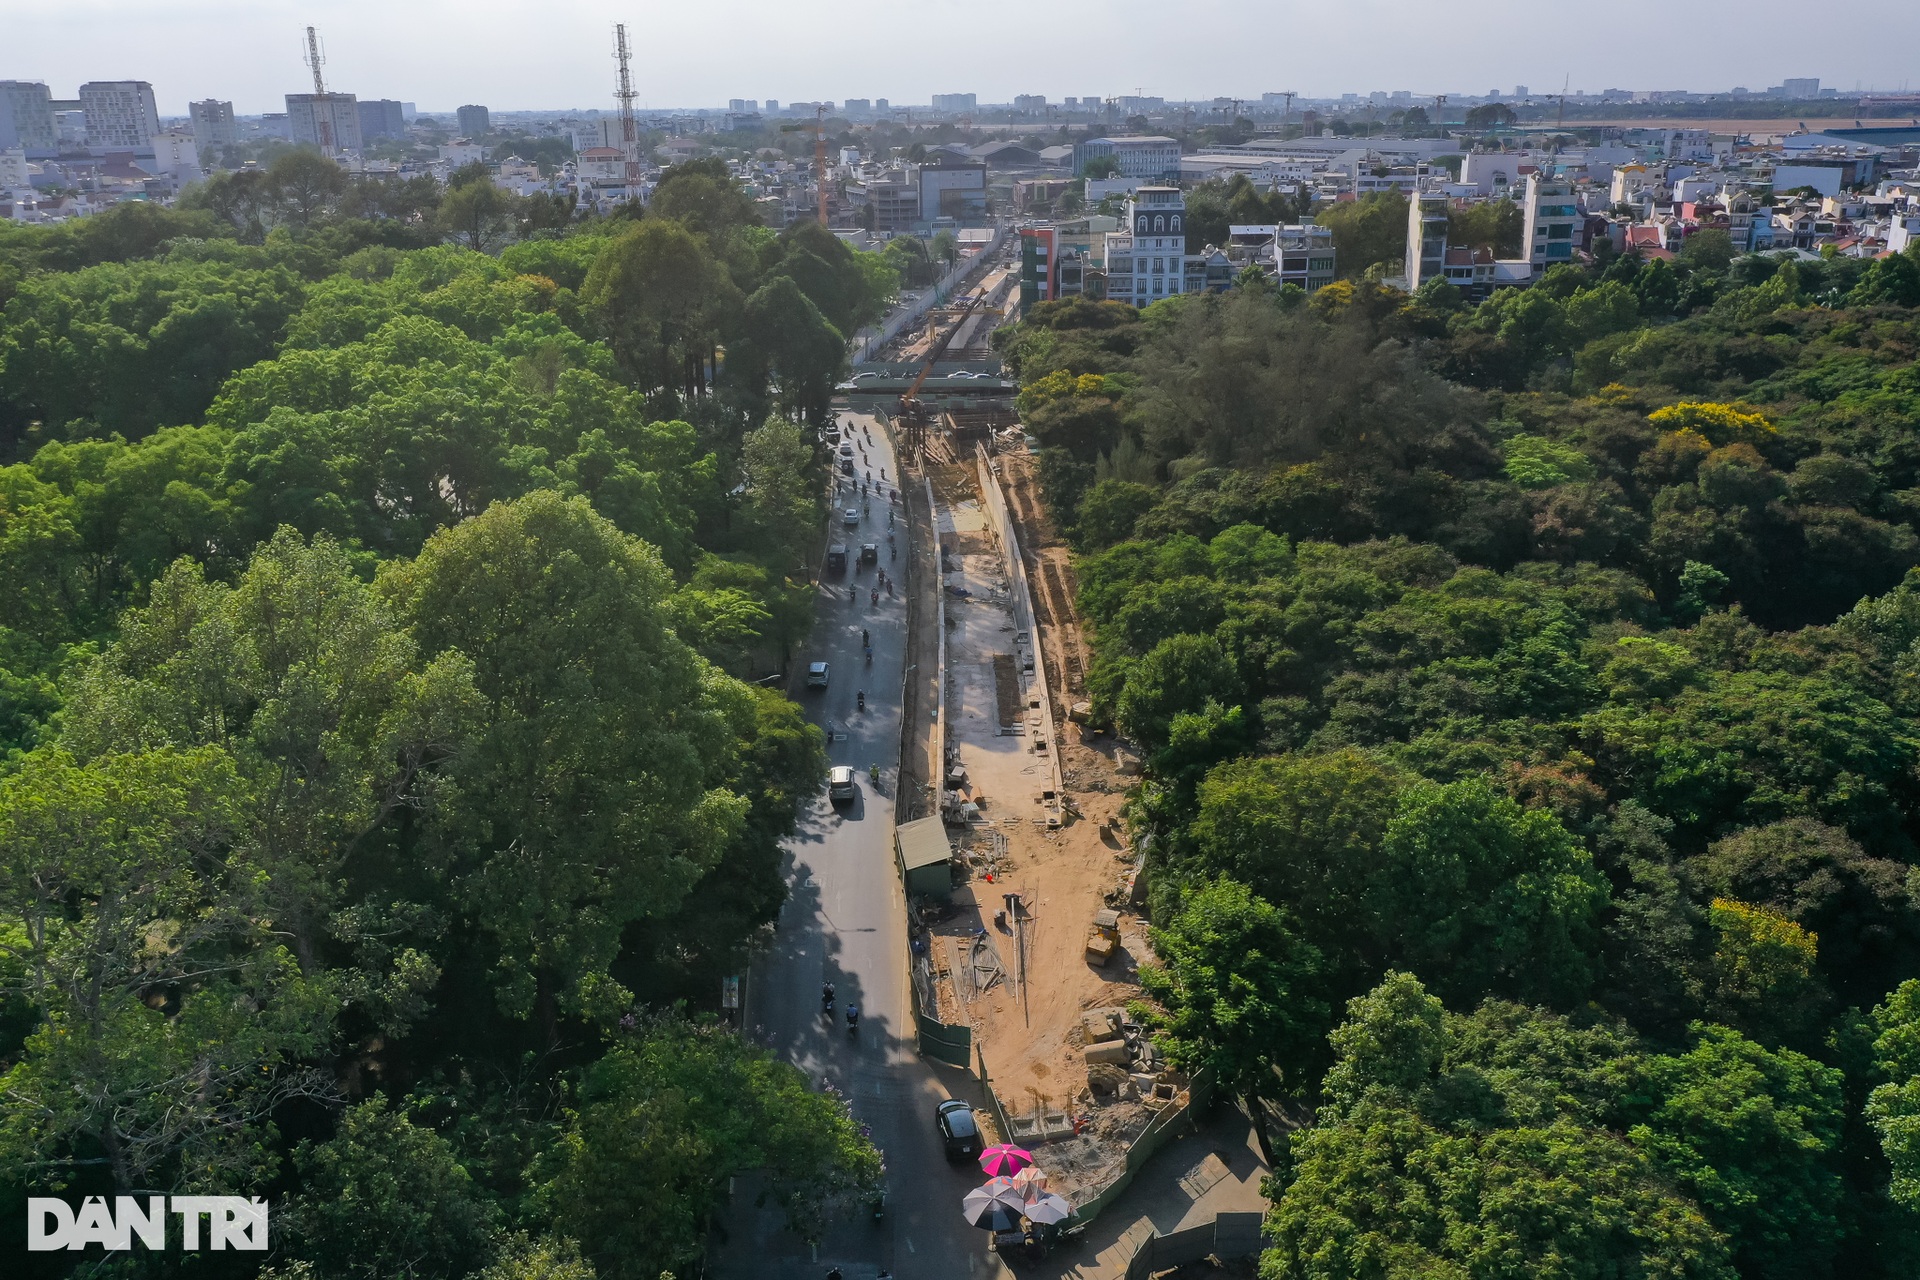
(840, 783)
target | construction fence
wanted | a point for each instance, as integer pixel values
(1229, 1235)
(1159, 1131)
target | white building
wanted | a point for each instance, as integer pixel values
(176, 155)
(1552, 222)
(1148, 261)
(329, 121)
(1153, 158)
(1427, 215)
(121, 114)
(13, 169)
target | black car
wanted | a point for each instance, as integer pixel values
(958, 1130)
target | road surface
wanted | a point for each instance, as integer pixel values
(845, 923)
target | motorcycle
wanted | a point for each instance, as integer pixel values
(875, 596)
(826, 1000)
(860, 700)
(869, 655)
(853, 1018)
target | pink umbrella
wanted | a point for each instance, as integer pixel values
(1032, 1181)
(1004, 1159)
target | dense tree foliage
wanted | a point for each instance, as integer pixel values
(381, 798)
(1557, 650)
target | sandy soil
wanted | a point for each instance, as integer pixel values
(1030, 1032)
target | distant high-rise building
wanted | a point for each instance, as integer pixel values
(1034, 102)
(1551, 222)
(857, 107)
(955, 101)
(773, 105)
(382, 118)
(212, 124)
(1426, 256)
(740, 106)
(26, 116)
(1519, 91)
(329, 121)
(473, 120)
(881, 106)
(120, 114)
(1798, 89)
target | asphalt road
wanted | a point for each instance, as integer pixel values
(845, 923)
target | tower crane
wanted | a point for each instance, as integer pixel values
(819, 127)
(322, 106)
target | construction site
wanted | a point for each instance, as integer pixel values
(1028, 930)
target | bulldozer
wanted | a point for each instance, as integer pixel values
(1103, 939)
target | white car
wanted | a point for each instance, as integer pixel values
(816, 675)
(840, 783)
(850, 518)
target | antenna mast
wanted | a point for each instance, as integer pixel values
(322, 105)
(629, 130)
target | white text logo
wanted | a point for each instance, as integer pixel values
(232, 1222)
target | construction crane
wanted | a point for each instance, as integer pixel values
(819, 127)
(322, 108)
(629, 127)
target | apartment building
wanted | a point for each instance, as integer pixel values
(329, 121)
(212, 124)
(1148, 260)
(1552, 222)
(473, 120)
(26, 116)
(382, 118)
(121, 114)
(1293, 254)
(1427, 215)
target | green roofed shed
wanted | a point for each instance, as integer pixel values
(923, 853)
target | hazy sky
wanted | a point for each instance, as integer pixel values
(519, 54)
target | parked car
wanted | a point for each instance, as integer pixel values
(840, 783)
(816, 675)
(959, 1131)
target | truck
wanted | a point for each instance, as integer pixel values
(837, 559)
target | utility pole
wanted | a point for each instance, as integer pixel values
(322, 106)
(629, 128)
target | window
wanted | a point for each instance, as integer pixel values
(1159, 224)
(1176, 222)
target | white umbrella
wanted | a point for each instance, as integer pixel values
(1048, 1209)
(1031, 1180)
(997, 1206)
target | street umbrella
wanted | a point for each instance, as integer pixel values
(1031, 1180)
(1004, 1159)
(997, 1206)
(1049, 1209)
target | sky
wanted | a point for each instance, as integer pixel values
(534, 54)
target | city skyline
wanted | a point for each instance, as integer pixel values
(251, 54)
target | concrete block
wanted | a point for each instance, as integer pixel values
(1113, 1052)
(1101, 1025)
